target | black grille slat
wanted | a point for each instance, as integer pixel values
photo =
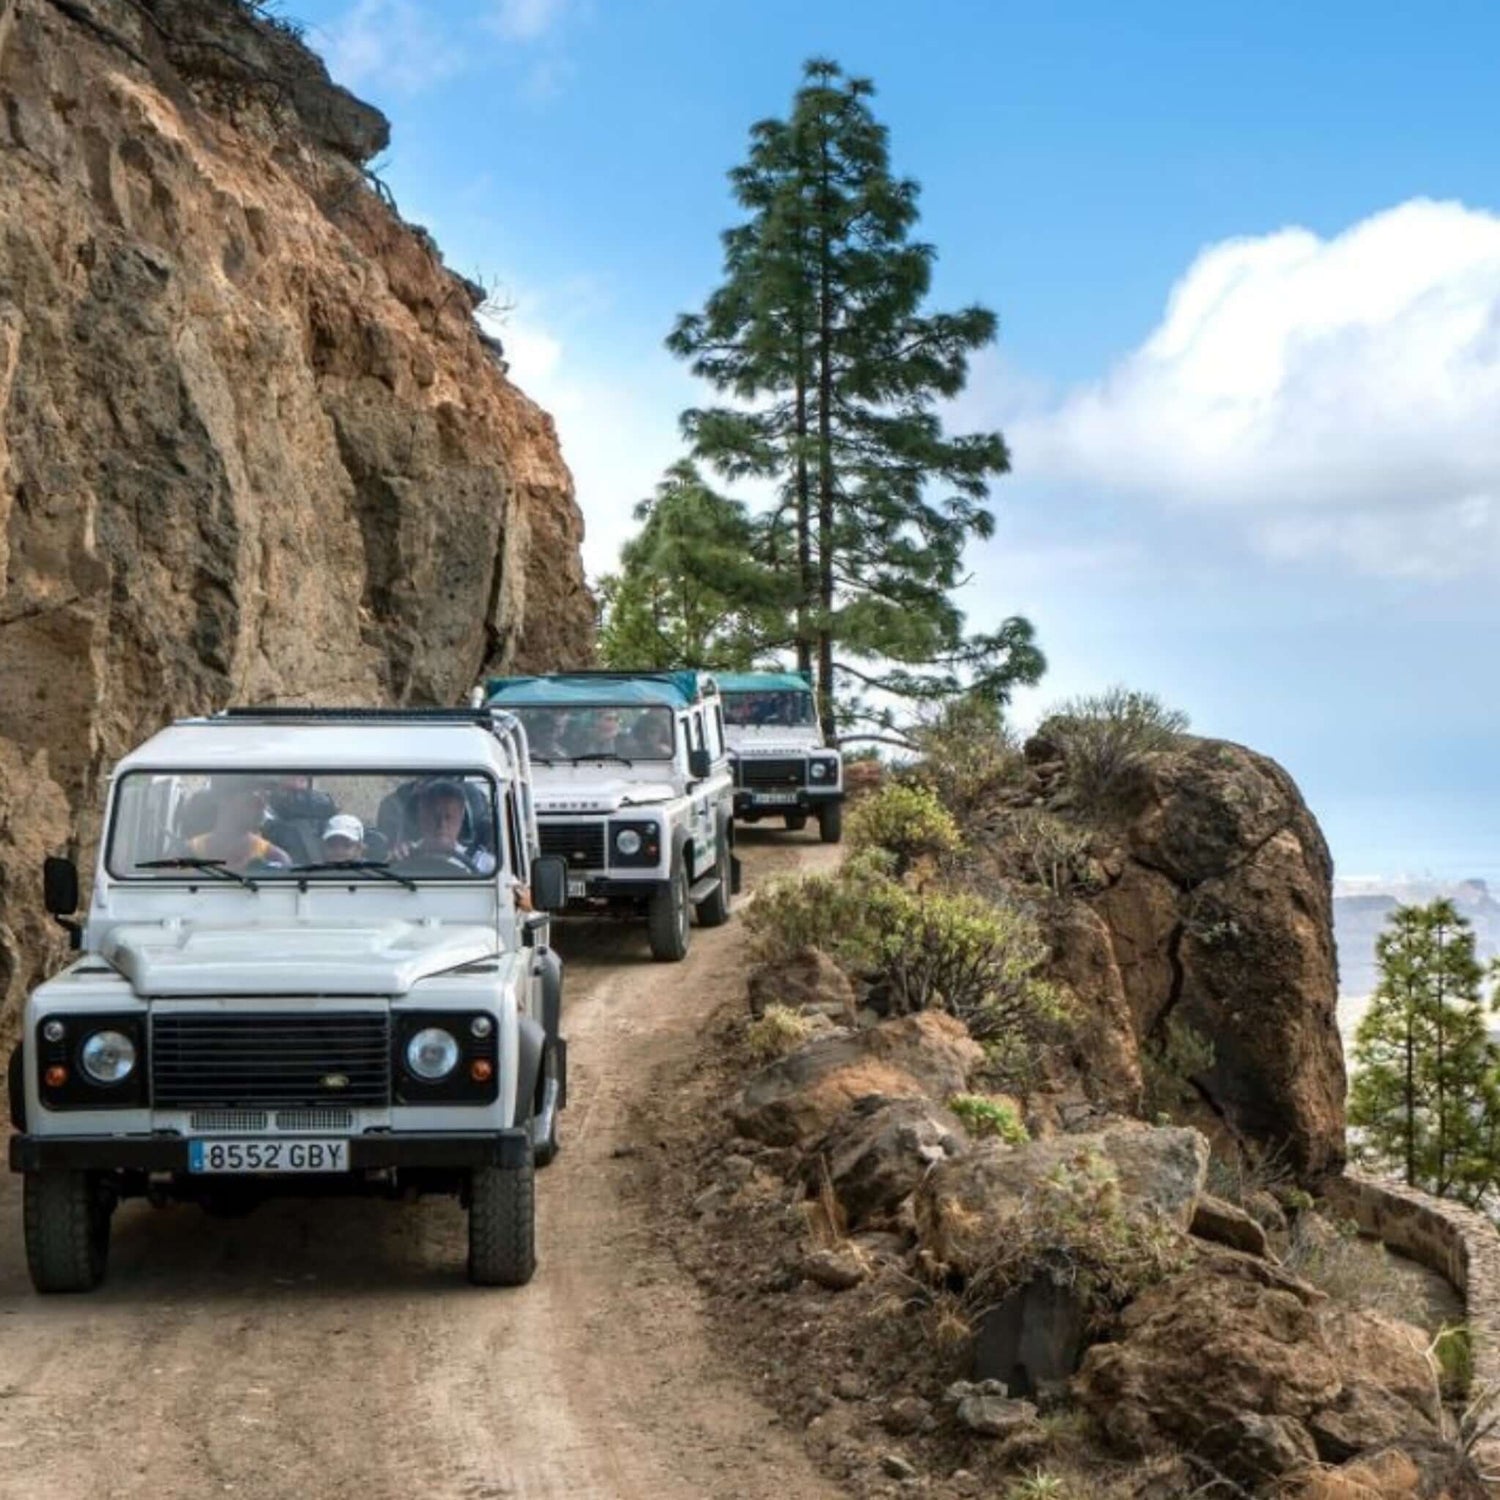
(773, 772)
(232, 1061)
(581, 844)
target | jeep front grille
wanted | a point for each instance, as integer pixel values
(773, 773)
(248, 1060)
(581, 844)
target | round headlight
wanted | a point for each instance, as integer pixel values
(108, 1057)
(432, 1054)
(628, 841)
(821, 770)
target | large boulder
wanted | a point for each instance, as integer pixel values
(1222, 921)
(1248, 1367)
(969, 1208)
(880, 1150)
(795, 1100)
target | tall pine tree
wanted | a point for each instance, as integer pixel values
(835, 374)
(1424, 1092)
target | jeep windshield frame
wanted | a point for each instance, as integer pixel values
(572, 733)
(251, 814)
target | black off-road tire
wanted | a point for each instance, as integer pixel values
(831, 822)
(713, 911)
(67, 1231)
(502, 1224)
(667, 919)
(544, 1153)
(796, 822)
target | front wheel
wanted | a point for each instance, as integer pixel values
(66, 1219)
(667, 919)
(502, 1224)
(831, 822)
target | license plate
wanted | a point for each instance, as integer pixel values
(777, 798)
(268, 1156)
(577, 887)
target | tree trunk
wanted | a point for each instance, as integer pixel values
(825, 461)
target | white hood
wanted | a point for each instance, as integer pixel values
(384, 958)
(774, 739)
(580, 789)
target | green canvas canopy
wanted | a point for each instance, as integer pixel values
(671, 689)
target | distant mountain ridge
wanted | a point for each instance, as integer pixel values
(1362, 907)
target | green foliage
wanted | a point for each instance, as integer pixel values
(1052, 852)
(942, 950)
(1040, 1484)
(836, 379)
(968, 756)
(1169, 1063)
(906, 821)
(1077, 1227)
(775, 1033)
(1104, 736)
(990, 1115)
(690, 590)
(1453, 1354)
(1425, 1098)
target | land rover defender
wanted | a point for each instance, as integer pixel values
(314, 961)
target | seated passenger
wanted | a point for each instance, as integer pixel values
(343, 839)
(650, 739)
(440, 823)
(235, 838)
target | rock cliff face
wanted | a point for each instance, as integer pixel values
(252, 447)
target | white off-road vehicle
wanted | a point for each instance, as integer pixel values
(781, 766)
(633, 789)
(314, 961)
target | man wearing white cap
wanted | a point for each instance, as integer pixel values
(343, 838)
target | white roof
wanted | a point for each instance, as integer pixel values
(233, 744)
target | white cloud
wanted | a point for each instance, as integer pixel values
(394, 44)
(1339, 396)
(526, 20)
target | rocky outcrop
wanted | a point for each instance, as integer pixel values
(1207, 912)
(1254, 1372)
(252, 445)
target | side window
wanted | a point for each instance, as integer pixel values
(697, 740)
(716, 731)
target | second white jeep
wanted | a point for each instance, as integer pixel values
(633, 788)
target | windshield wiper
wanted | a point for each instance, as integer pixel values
(603, 755)
(373, 866)
(215, 867)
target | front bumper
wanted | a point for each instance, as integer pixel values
(613, 888)
(169, 1153)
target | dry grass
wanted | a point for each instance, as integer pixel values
(779, 1031)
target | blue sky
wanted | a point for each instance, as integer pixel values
(1247, 265)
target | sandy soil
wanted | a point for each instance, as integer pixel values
(333, 1350)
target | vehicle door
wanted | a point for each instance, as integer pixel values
(704, 833)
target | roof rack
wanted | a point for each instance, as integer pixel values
(277, 713)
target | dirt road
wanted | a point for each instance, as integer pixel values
(333, 1350)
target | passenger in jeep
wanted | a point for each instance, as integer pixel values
(440, 822)
(239, 810)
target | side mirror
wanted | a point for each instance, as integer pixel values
(700, 764)
(549, 882)
(59, 886)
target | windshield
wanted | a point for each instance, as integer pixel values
(603, 731)
(263, 826)
(788, 708)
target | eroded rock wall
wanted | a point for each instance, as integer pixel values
(252, 447)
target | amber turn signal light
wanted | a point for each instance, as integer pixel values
(481, 1070)
(56, 1076)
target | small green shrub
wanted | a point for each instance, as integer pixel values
(1169, 1063)
(1453, 1354)
(779, 1031)
(1050, 851)
(970, 758)
(1104, 736)
(986, 1115)
(906, 821)
(1040, 1485)
(833, 912)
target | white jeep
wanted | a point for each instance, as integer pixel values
(633, 789)
(314, 961)
(781, 766)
